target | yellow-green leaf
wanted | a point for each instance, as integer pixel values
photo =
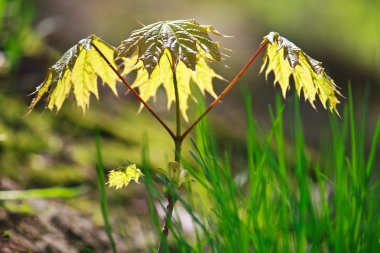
(78, 70)
(61, 91)
(181, 38)
(162, 76)
(285, 59)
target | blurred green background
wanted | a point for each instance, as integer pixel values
(47, 149)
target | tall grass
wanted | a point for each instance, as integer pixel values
(277, 204)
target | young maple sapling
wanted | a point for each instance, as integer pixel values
(174, 54)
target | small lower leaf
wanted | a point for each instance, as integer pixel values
(121, 177)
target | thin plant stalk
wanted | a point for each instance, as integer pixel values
(178, 137)
(177, 155)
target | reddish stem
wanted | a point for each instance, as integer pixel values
(225, 91)
(125, 82)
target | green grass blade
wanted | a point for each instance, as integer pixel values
(353, 135)
(304, 206)
(372, 153)
(289, 200)
(102, 191)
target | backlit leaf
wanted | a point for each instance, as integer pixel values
(162, 75)
(181, 38)
(285, 59)
(78, 70)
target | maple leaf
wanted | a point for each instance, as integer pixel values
(78, 70)
(181, 38)
(285, 59)
(162, 75)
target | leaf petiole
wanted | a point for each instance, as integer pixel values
(226, 90)
(125, 82)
